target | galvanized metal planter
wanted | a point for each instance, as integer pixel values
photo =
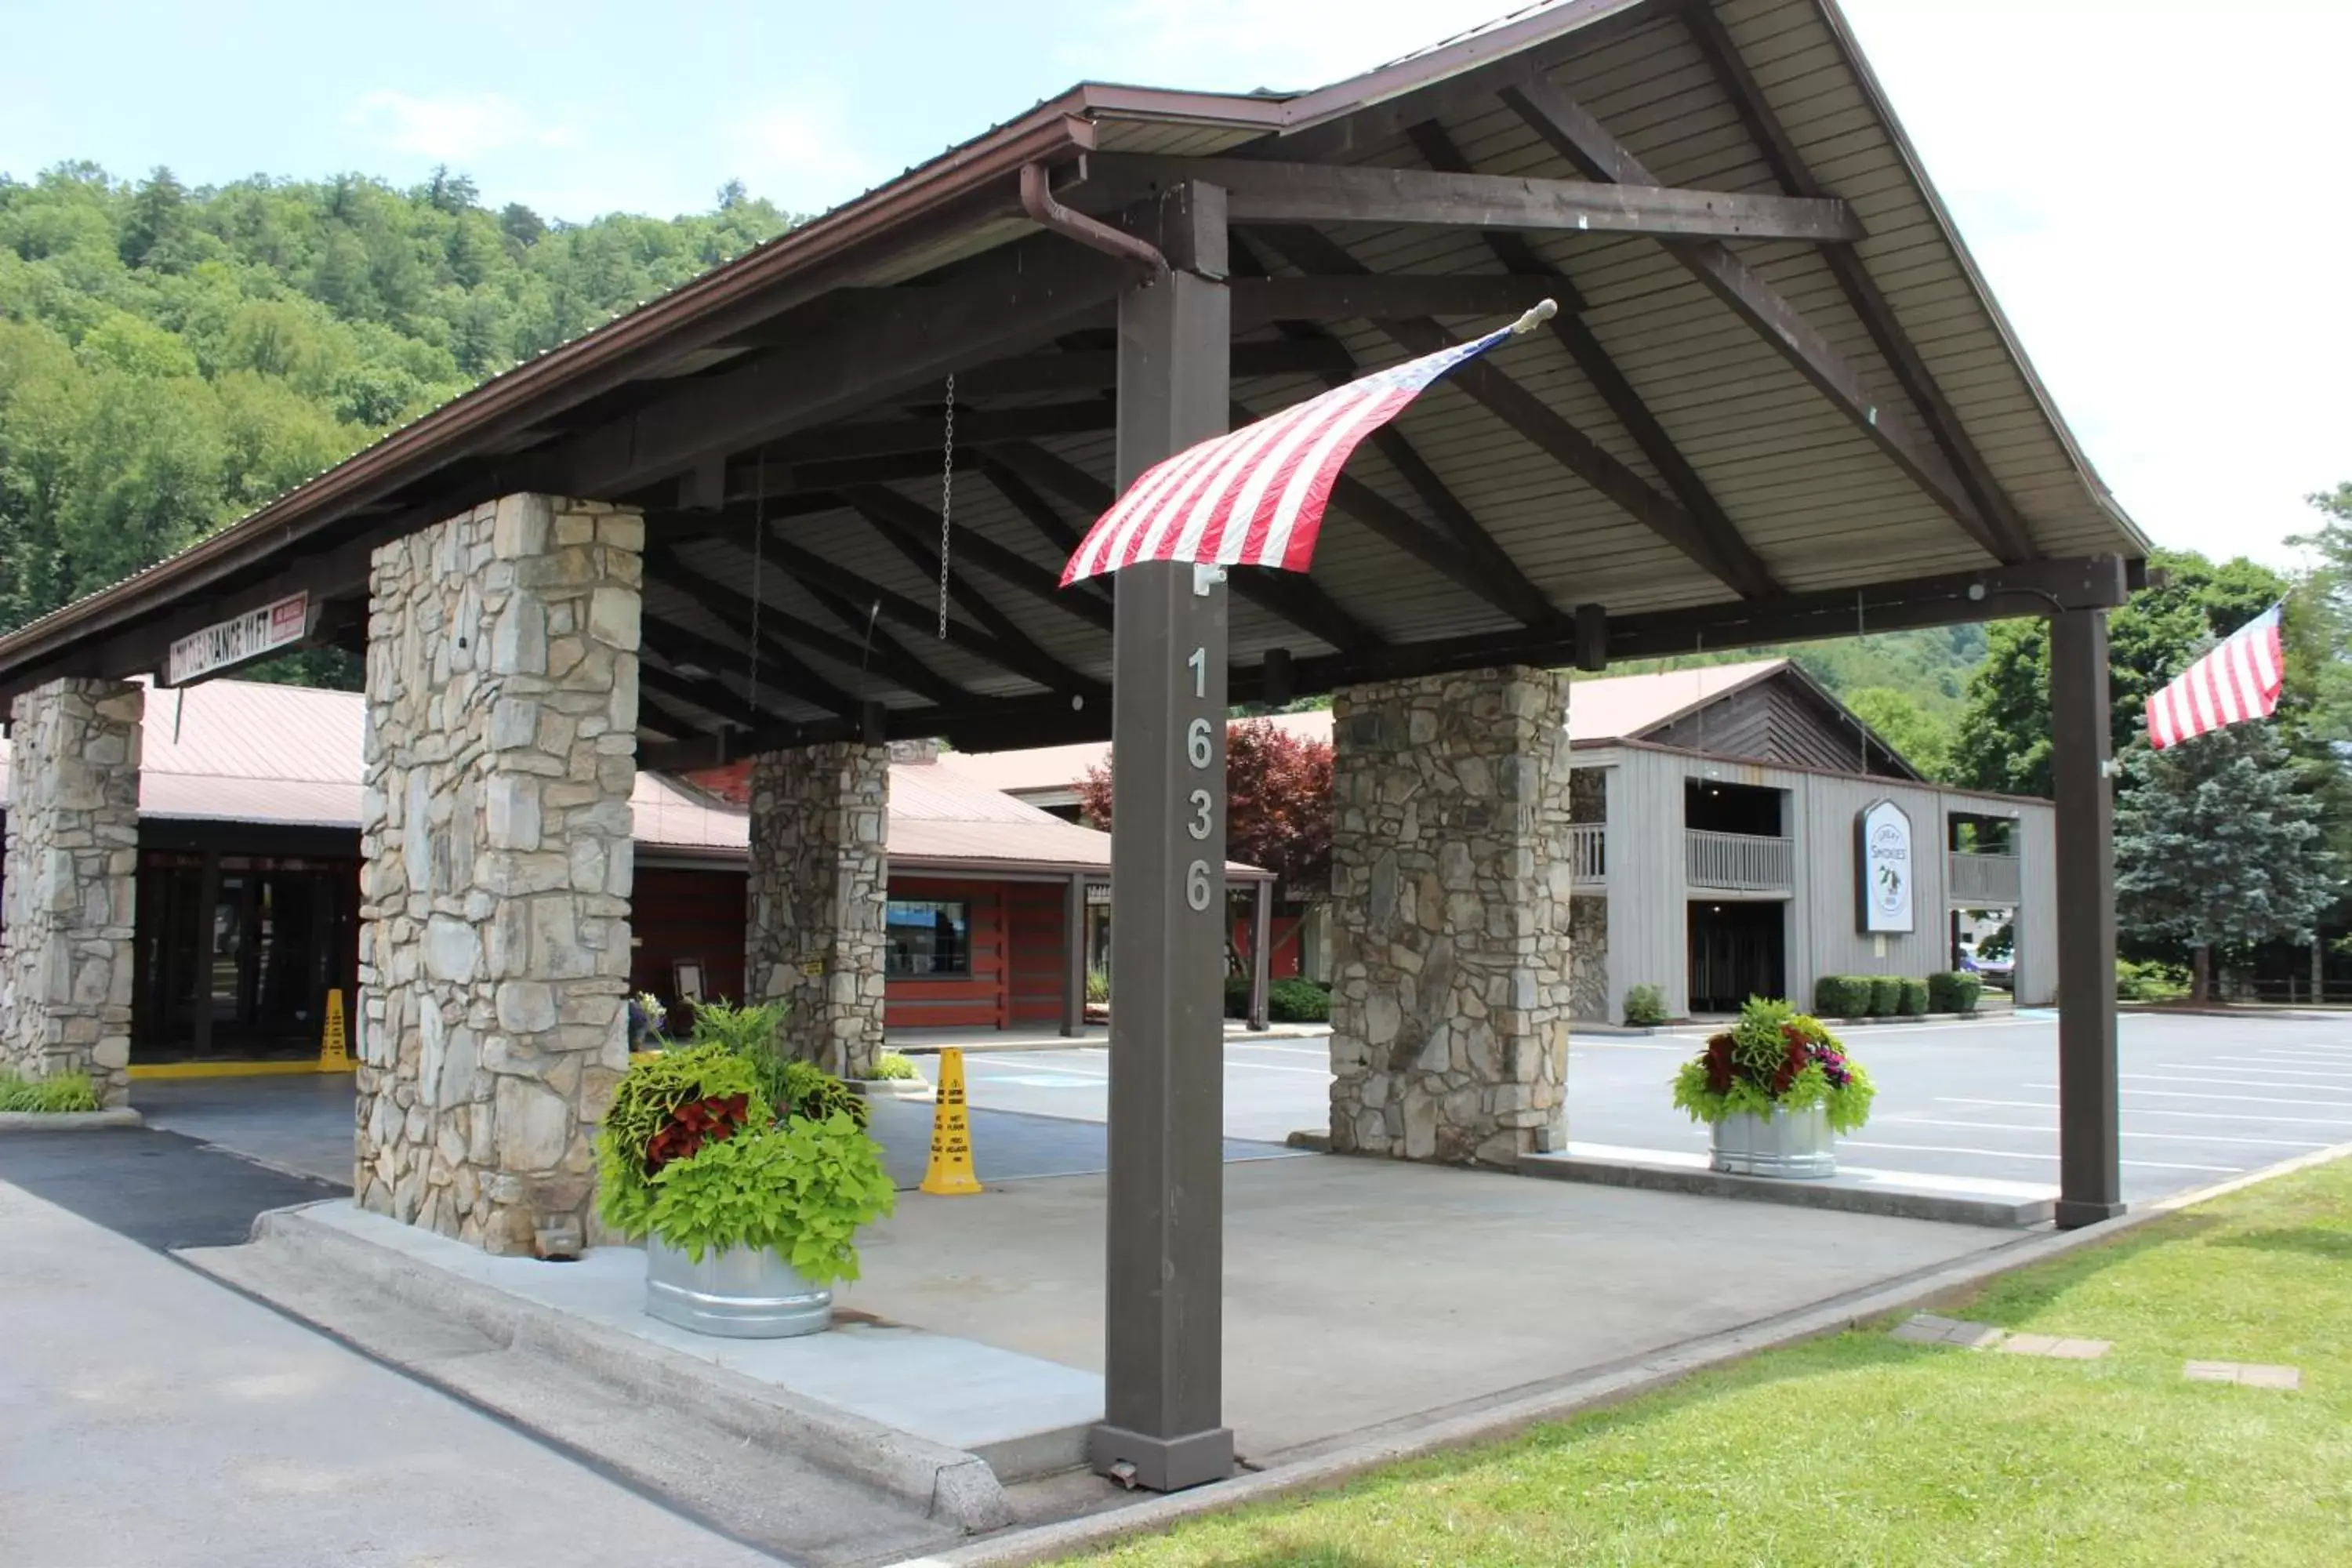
(736, 1294)
(1786, 1144)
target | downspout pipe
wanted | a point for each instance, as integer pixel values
(1037, 201)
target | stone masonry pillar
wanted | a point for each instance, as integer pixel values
(72, 877)
(494, 943)
(820, 869)
(1451, 879)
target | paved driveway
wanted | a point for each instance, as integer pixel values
(2203, 1098)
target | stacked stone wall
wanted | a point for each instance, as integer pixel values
(496, 827)
(69, 920)
(819, 876)
(1450, 914)
(1588, 913)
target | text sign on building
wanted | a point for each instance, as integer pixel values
(234, 641)
(1882, 868)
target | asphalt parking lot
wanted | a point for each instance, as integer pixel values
(2203, 1098)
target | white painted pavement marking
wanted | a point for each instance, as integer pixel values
(2257, 1117)
(2182, 1094)
(2272, 1065)
(2229, 1076)
(2013, 1154)
(2128, 1133)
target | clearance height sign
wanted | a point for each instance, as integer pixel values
(235, 641)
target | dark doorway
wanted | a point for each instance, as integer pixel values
(1737, 950)
(236, 953)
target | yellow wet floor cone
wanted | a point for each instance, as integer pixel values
(950, 1167)
(334, 1052)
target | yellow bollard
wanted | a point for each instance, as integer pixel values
(334, 1054)
(951, 1168)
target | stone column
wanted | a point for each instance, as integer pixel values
(1450, 877)
(72, 877)
(1587, 959)
(813, 928)
(494, 947)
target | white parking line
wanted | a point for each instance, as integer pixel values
(2182, 1094)
(2254, 1116)
(1323, 1051)
(2270, 1065)
(2128, 1132)
(2229, 1076)
(2013, 1154)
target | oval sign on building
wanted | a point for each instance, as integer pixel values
(1882, 868)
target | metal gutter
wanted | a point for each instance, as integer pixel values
(1037, 201)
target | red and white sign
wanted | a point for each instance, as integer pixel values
(232, 642)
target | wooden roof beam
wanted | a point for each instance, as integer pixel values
(1580, 139)
(910, 519)
(878, 647)
(787, 676)
(1260, 191)
(1861, 290)
(1097, 369)
(1570, 330)
(1730, 560)
(1294, 597)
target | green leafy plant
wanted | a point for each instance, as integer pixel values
(754, 1033)
(802, 1189)
(1911, 998)
(57, 1095)
(807, 1091)
(648, 1023)
(1953, 991)
(746, 1031)
(1097, 987)
(894, 1068)
(1645, 1006)
(2150, 981)
(1886, 995)
(1774, 1057)
(712, 1087)
(1299, 1002)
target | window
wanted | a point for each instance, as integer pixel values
(929, 937)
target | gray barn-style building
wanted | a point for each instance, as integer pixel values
(1777, 402)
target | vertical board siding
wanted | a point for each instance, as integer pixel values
(973, 1000)
(1036, 915)
(697, 915)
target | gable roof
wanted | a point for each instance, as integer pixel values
(1601, 710)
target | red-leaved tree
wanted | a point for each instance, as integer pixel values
(1277, 805)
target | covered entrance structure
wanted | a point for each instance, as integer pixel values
(1777, 402)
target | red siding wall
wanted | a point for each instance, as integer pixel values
(1282, 962)
(699, 915)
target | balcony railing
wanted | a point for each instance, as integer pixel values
(1738, 862)
(1587, 852)
(1986, 881)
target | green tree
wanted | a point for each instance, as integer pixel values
(2218, 846)
(1904, 724)
(2002, 742)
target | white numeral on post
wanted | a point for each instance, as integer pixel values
(1199, 664)
(1198, 746)
(1196, 885)
(1199, 826)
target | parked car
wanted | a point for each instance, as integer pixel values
(2000, 973)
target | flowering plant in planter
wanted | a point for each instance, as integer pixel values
(1774, 1059)
(695, 1152)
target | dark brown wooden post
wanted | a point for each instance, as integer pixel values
(2090, 1173)
(1074, 957)
(1163, 1307)
(1261, 955)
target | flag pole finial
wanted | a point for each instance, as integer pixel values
(1537, 314)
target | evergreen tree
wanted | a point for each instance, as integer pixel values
(2218, 846)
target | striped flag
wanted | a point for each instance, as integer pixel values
(2237, 680)
(1254, 497)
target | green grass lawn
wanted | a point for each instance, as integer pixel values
(1864, 1449)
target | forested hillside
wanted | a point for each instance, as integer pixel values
(170, 358)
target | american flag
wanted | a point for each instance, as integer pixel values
(2238, 680)
(1254, 497)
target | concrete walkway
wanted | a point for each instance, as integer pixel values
(1364, 1292)
(151, 1419)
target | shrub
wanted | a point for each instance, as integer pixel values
(1645, 1006)
(1097, 987)
(1911, 998)
(57, 1095)
(754, 1035)
(677, 1099)
(1953, 991)
(1774, 1057)
(891, 1066)
(1299, 1002)
(805, 1091)
(2149, 981)
(1842, 996)
(1237, 994)
(1886, 995)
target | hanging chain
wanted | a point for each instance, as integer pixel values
(946, 501)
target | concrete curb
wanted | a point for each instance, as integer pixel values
(68, 1121)
(893, 1088)
(1945, 1208)
(1049, 1543)
(947, 1484)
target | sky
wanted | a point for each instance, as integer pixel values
(2154, 189)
